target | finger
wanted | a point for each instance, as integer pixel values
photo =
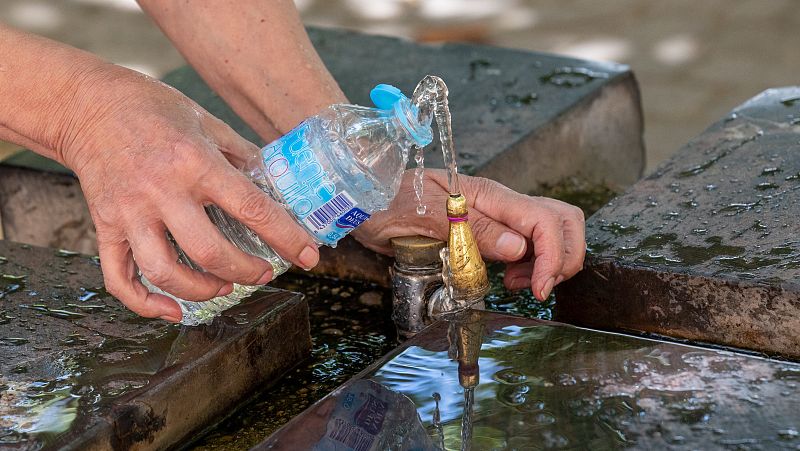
(548, 251)
(537, 220)
(518, 275)
(236, 149)
(243, 200)
(209, 249)
(496, 241)
(574, 244)
(122, 281)
(158, 261)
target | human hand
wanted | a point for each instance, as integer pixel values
(541, 240)
(149, 159)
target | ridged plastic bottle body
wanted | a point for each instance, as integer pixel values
(331, 173)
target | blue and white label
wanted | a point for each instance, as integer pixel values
(305, 186)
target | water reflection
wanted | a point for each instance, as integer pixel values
(550, 386)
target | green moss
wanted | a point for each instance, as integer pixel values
(584, 195)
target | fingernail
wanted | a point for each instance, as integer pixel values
(265, 278)
(548, 287)
(510, 245)
(309, 257)
(169, 318)
(225, 290)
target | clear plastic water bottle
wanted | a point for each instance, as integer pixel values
(331, 172)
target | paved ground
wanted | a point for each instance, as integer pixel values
(695, 60)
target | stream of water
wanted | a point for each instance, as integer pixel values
(431, 98)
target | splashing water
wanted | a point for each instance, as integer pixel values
(437, 420)
(448, 301)
(430, 97)
(419, 172)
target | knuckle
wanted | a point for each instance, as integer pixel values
(206, 253)
(105, 215)
(484, 187)
(255, 208)
(573, 269)
(190, 155)
(253, 274)
(157, 272)
(578, 215)
(114, 288)
(572, 265)
(184, 149)
(481, 225)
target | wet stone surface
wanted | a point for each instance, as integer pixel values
(707, 247)
(544, 385)
(78, 370)
(528, 120)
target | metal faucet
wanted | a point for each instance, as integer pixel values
(419, 292)
(416, 276)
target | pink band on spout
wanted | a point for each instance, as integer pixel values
(457, 219)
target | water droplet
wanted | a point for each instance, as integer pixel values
(513, 395)
(509, 376)
(571, 77)
(790, 101)
(86, 295)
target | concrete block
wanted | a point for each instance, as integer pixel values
(79, 371)
(705, 248)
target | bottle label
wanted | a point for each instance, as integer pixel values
(305, 186)
(371, 417)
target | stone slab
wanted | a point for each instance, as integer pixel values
(79, 371)
(706, 248)
(549, 385)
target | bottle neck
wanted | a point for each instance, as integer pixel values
(419, 133)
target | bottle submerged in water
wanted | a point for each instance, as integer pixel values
(331, 173)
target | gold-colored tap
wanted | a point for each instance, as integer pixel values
(469, 280)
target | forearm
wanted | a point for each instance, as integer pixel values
(254, 53)
(44, 89)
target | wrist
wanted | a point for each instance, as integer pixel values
(91, 93)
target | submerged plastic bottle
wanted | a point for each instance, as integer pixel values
(331, 173)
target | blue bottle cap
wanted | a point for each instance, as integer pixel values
(385, 96)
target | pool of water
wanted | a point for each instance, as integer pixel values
(351, 328)
(550, 386)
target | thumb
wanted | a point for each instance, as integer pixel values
(495, 240)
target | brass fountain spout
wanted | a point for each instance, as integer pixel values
(423, 288)
(468, 271)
